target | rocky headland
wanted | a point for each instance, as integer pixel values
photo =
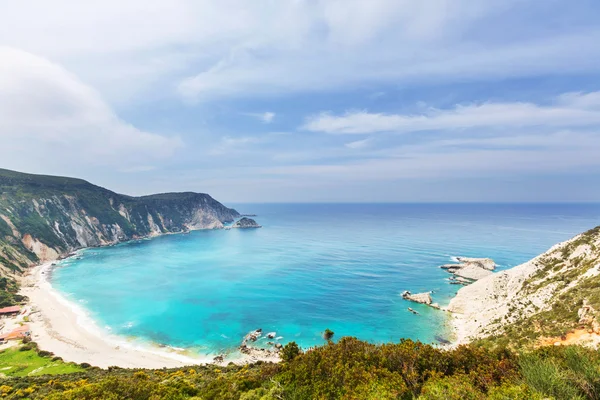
(45, 217)
(553, 298)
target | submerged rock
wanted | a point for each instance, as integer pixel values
(245, 223)
(442, 340)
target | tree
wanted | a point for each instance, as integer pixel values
(328, 334)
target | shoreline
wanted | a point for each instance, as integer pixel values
(65, 329)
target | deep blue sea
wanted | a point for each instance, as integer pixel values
(311, 267)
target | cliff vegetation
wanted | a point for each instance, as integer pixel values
(349, 369)
(44, 217)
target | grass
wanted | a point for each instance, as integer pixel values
(14, 362)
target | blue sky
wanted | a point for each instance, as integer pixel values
(269, 101)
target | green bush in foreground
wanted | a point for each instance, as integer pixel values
(349, 369)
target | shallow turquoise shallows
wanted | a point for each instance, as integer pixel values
(309, 268)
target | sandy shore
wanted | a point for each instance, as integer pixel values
(59, 326)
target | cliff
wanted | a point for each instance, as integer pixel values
(44, 217)
(554, 298)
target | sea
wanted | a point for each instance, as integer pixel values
(309, 268)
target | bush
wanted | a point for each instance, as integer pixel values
(456, 387)
(510, 391)
(545, 377)
(290, 351)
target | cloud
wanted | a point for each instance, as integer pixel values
(464, 41)
(359, 144)
(565, 151)
(206, 50)
(46, 112)
(266, 117)
(569, 110)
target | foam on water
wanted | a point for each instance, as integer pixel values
(309, 268)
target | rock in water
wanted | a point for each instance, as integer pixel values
(423, 298)
(245, 223)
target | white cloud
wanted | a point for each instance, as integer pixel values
(359, 144)
(266, 117)
(208, 49)
(571, 110)
(48, 116)
(566, 151)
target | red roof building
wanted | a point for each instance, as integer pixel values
(10, 310)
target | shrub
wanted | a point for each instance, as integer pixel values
(545, 377)
(43, 353)
(290, 351)
(456, 387)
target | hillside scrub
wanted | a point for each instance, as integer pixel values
(349, 369)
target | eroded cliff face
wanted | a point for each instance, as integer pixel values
(42, 218)
(549, 298)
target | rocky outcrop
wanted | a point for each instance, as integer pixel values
(422, 298)
(485, 263)
(469, 269)
(246, 223)
(259, 353)
(44, 217)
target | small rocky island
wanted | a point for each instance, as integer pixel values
(246, 223)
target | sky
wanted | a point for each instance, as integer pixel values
(307, 100)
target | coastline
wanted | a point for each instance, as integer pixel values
(484, 307)
(65, 329)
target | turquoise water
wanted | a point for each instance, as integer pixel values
(309, 268)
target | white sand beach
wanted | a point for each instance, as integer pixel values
(58, 326)
(63, 328)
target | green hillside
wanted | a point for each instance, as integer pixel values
(43, 217)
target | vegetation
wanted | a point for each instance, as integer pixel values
(328, 334)
(349, 369)
(571, 273)
(25, 361)
(8, 292)
(50, 209)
